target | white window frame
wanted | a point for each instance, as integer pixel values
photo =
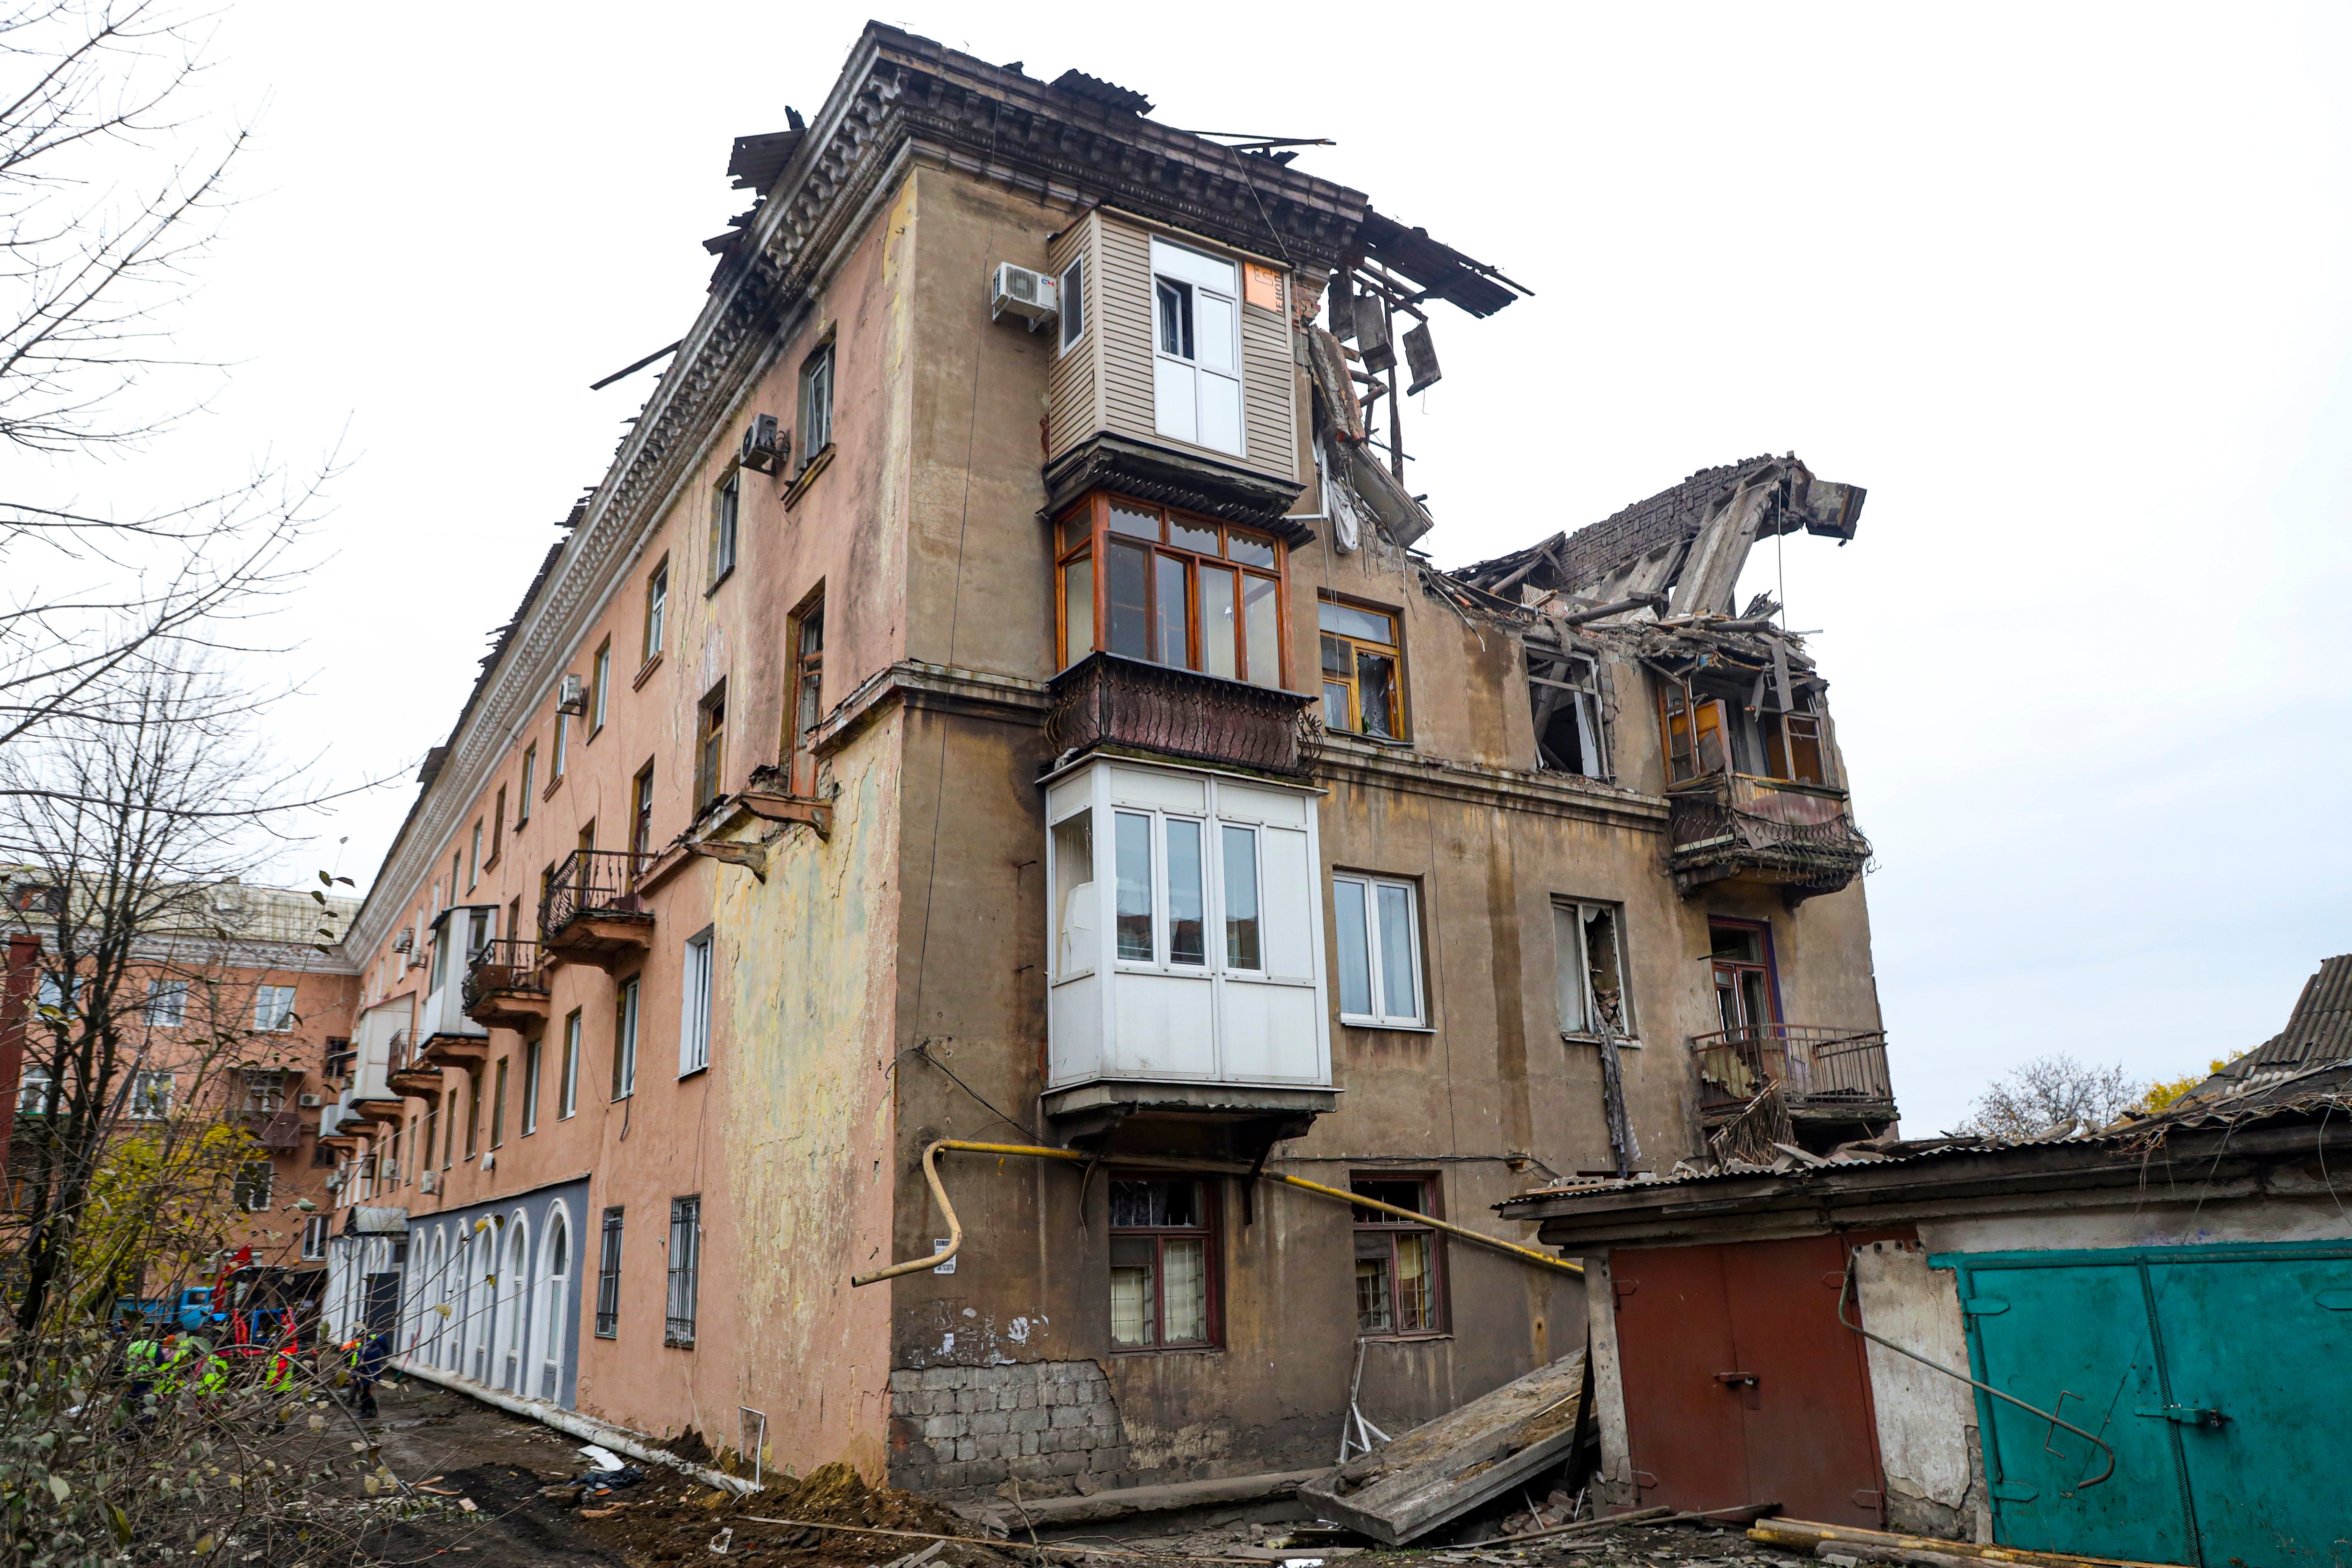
(567, 1097)
(33, 1091)
(146, 1103)
(816, 389)
(1374, 960)
(268, 1185)
(1184, 383)
(1570, 913)
(694, 1009)
(273, 1002)
(1212, 896)
(599, 687)
(315, 1231)
(167, 1004)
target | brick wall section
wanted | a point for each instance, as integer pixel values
(953, 1429)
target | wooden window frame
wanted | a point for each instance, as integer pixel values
(1091, 541)
(530, 774)
(1352, 679)
(710, 748)
(804, 709)
(1211, 1232)
(498, 829)
(1769, 968)
(1682, 712)
(1374, 1223)
(641, 817)
(628, 1026)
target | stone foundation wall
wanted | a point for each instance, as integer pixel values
(1050, 1424)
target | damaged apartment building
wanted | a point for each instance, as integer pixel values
(992, 916)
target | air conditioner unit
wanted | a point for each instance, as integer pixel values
(309, 1101)
(764, 446)
(490, 1161)
(572, 696)
(428, 1182)
(406, 940)
(1017, 292)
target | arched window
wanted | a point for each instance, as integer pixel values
(514, 1296)
(554, 1328)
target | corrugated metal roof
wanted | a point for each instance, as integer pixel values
(2320, 1029)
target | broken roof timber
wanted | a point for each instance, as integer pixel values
(1442, 271)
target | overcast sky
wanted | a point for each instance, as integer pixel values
(2063, 287)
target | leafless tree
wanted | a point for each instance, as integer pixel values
(110, 189)
(121, 833)
(2052, 1096)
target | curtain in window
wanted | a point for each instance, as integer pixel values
(1185, 1291)
(1131, 1293)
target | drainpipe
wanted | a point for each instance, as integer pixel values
(637, 1445)
(955, 1226)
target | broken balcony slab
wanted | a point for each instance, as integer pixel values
(1441, 1469)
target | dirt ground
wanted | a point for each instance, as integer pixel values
(516, 1478)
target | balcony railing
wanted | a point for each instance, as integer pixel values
(503, 966)
(1820, 1071)
(1800, 838)
(399, 1052)
(1106, 700)
(592, 883)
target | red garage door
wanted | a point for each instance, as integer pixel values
(1741, 1386)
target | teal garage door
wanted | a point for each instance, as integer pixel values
(2221, 1377)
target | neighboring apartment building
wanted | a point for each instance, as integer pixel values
(231, 1013)
(1007, 709)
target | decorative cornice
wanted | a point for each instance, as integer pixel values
(1373, 767)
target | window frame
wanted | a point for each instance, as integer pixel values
(1629, 1030)
(709, 747)
(567, 1099)
(805, 710)
(628, 1009)
(816, 381)
(530, 774)
(499, 1105)
(316, 1230)
(657, 611)
(1375, 970)
(699, 971)
(683, 1272)
(498, 827)
(145, 1104)
(611, 1235)
(1439, 1322)
(599, 687)
(533, 1050)
(641, 817)
(172, 997)
(725, 523)
(1767, 969)
(282, 998)
(1070, 300)
(1181, 273)
(1217, 921)
(474, 858)
(1352, 681)
(1209, 1233)
(255, 1187)
(1093, 543)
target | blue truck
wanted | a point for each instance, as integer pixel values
(191, 1311)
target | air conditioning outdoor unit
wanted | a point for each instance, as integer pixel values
(310, 1101)
(406, 940)
(1017, 292)
(764, 446)
(428, 1181)
(572, 696)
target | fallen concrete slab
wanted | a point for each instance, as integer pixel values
(1443, 1468)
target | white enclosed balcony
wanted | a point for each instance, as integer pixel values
(1187, 948)
(458, 933)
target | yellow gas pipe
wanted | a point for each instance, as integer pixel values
(955, 1226)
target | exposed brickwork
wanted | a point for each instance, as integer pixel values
(1048, 1422)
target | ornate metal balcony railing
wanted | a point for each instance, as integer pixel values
(1819, 1070)
(502, 965)
(1108, 700)
(590, 882)
(399, 1052)
(1800, 837)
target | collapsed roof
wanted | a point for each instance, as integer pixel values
(2317, 1038)
(1689, 541)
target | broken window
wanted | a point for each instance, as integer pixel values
(1196, 374)
(1363, 692)
(1727, 715)
(1747, 993)
(710, 752)
(1564, 691)
(808, 692)
(1397, 1260)
(1794, 748)
(1593, 997)
(641, 818)
(1693, 727)
(1162, 1263)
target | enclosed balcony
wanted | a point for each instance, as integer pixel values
(593, 912)
(1832, 1083)
(1798, 837)
(1186, 1007)
(1105, 701)
(445, 1036)
(505, 988)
